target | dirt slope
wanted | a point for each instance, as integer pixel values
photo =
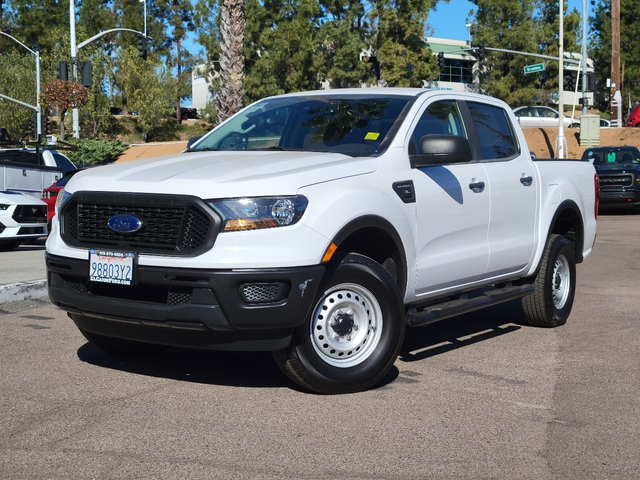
(541, 141)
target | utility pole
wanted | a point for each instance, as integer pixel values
(615, 64)
(584, 57)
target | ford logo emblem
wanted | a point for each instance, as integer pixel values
(124, 223)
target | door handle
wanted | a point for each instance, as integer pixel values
(477, 187)
(526, 181)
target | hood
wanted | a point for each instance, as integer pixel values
(223, 174)
(617, 167)
(18, 198)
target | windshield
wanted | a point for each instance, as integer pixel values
(353, 126)
(604, 157)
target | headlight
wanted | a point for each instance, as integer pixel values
(63, 196)
(263, 212)
(4, 206)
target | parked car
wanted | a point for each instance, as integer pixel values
(634, 117)
(50, 194)
(320, 226)
(22, 219)
(618, 171)
(605, 123)
(540, 116)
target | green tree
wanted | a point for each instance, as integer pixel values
(283, 47)
(18, 81)
(404, 58)
(39, 24)
(343, 39)
(179, 15)
(150, 90)
(600, 48)
(509, 25)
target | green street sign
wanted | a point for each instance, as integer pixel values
(538, 67)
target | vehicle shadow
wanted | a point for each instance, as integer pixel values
(613, 210)
(236, 369)
(258, 370)
(424, 342)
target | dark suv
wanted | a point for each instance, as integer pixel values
(618, 169)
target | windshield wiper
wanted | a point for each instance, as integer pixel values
(209, 149)
(272, 147)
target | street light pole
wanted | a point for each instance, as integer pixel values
(584, 57)
(144, 2)
(74, 71)
(560, 141)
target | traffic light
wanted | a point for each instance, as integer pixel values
(86, 74)
(441, 61)
(33, 130)
(570, 80)
(63, 71)
(142, 47)
(45, 125)
(481, 51)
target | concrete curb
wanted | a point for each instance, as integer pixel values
(23, 291)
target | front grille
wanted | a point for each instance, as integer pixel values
(30, 214)
(615, 181)
(170, 224)
(179, 296)
(2, 227)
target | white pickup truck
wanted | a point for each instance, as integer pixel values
(319, 226)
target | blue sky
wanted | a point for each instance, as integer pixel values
(449, 19)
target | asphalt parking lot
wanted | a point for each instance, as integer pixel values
(480, 396)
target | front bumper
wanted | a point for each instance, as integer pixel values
(16, 224)
(222, 309)
(620, 197)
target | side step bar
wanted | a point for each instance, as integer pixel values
(419, 316)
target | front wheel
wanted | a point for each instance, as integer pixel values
(554, 287)
(354, 333)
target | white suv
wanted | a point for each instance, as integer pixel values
(23, 218)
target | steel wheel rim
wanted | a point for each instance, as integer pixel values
(346, 325)
(561, 282)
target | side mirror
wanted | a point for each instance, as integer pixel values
(442, 149)
(193, 140)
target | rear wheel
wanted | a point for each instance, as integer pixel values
(554, 287)
(354, 333)
(121, 347)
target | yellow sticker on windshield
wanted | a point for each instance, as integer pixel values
(371, 136)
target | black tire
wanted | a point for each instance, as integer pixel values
(554, 286)
(353, 334)
(120, 347)
(5, 246)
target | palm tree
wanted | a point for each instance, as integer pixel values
(230, 96)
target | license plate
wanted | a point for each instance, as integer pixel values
(111, 267)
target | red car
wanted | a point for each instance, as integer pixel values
(634, 117)
(50, 194)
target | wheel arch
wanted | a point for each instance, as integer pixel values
(567, 221)
(376, 238)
